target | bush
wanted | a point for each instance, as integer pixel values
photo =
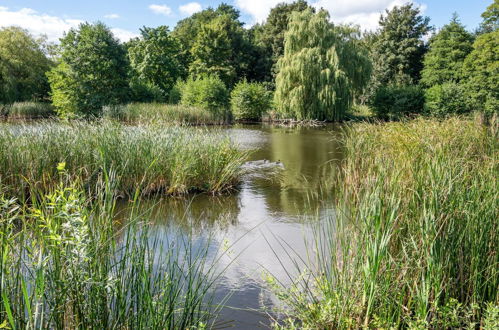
(249, 101)
(207, 92)
(143, 92)
(446, 99)
(176, 93)
(392, 102)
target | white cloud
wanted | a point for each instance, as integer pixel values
(365, 13)
(51, 26)
(112, 16)
(123, 35)
(190, 8)
(36, 23)
(161, 9)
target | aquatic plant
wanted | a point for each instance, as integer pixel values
(27, 110)
(65, 263)
(153, 159)
(414, 239)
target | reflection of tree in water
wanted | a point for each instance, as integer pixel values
(192, 214)
(310, 157)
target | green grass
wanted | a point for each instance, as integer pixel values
(153, 159)
(159, 112)
(27, 110)
(65, 264)
(414, 241)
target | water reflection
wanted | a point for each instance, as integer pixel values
(267, 211)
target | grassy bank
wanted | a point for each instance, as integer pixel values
(414, 243)
(27, 110)
(171, 160)
(159, 112)
(65, 264)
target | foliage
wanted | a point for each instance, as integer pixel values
(216, 49)
(249, 101)
(141, 91)
(65, 264)
(447, 50)
(490, 18)
(207, 92)
(147, 113)
(394, 102)
(154, 58)
(320, 71)
(271, 34)
(398, 48)
(447, 99)
(414, 239)
(149, 159)
(481, 70)
(92, 73)
(23, 64)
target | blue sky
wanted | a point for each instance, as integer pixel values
(125, 18)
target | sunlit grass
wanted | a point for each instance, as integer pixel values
(153, 159)
(414, 241)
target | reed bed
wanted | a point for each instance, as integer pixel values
(66, 264)
(414, 241)
(27, 110)
(153, 159)
(162, 113)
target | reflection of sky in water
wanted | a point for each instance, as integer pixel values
(262, 216)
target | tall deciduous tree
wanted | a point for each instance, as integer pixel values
(92, 73)
(271, 33)
(398, 49)
(155, 58)
(23, 64)
(447, 51)
(217, 49)
(320, 69)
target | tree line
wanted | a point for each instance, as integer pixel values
(297, 62)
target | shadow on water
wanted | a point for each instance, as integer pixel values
(274, 204)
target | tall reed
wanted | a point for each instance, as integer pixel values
(160, 112)
(27, 110)
(172, 160)
(65, 264)
(415, 237)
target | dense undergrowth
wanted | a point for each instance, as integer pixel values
(414, 241)
(150, 158)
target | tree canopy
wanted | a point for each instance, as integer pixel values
(92, 72)
(447, 51)
(154, 58)
(23, 64)
(398, 49)
(319, 71)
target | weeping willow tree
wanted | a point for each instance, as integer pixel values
(322, 69)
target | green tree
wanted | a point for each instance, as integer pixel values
(481, 71)
(490, 17)
(23, 64)
(217, 49)
(320, 71)
(154, 58)
(447, 50)
(208, 92)
(92, 73)
(249, 101)
(398, 48)
(271, 33)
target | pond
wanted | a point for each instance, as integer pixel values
(282, 195)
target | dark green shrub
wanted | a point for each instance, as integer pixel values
(207, 92)
(392, 102)
(144, 92)
(176, 93)
(446, 99)
(249, 101)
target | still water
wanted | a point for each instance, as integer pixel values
(281, 196)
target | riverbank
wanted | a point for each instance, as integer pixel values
(414, 241)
